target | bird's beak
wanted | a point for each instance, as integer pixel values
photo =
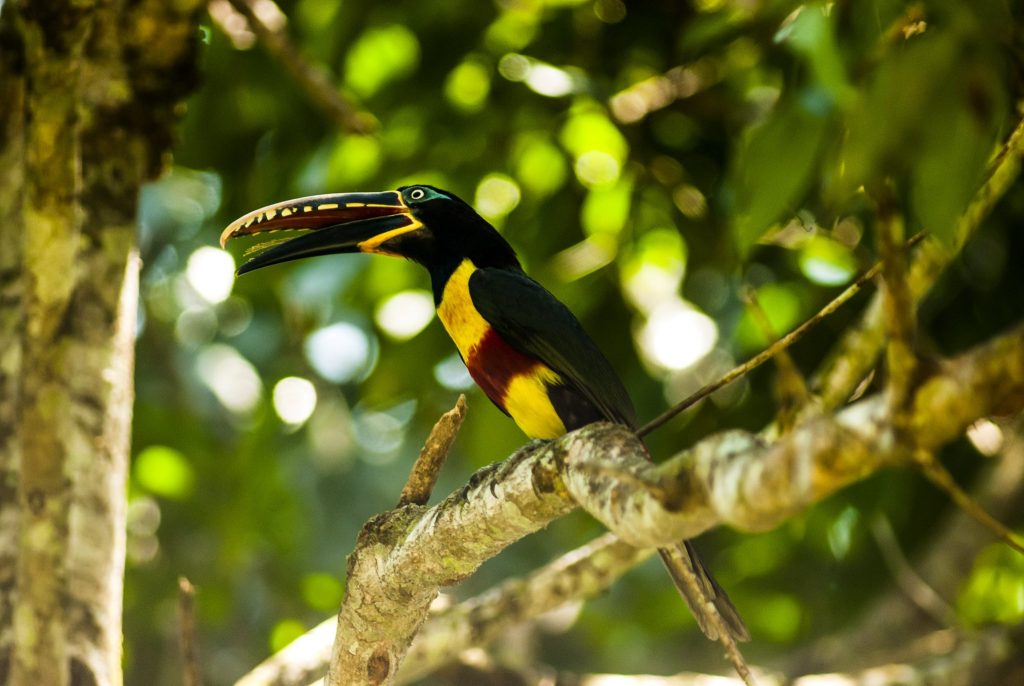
(336, 223)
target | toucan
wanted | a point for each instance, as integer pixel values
(521, 345)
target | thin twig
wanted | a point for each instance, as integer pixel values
(312, 78)
(910, 582)
(939, 476)
(1001, 174)
(791, 387)
(772, 350)
(854, 357)
(188, 645)
(428, 465)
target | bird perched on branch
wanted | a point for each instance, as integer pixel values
(522, 346)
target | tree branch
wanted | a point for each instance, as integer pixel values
(738, 479)
(425, 471)
(855, 355)
(12, 184)
(578, 575)
(311, 78)
(772, 350)
(989, 658)
(404, 556)
(188, 645)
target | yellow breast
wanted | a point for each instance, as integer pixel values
(461, 320)
(513, 381)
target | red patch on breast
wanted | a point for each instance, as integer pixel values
(493, 364)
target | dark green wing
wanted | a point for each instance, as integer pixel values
(535, 323)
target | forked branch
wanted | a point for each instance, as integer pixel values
(735, 478)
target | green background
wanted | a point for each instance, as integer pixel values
(647, 161)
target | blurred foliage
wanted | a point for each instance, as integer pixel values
(647, 161)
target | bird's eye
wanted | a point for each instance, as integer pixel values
(417, 194)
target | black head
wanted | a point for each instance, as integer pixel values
(452, 231)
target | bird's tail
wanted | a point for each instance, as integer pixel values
(682, 558)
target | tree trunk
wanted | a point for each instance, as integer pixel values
(87, 99)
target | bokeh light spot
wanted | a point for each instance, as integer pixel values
(211, 273)
(294, 399)
(496, 196)
(676, 335)
(451, 373)
(597, 168)
(541, 167)
(322, 592)
(986, 436)
(381, 54)
(827, 262)
(545, 79)
(284, 632)
(164, 471)
(405, 314)
(230, 377)
(339, 352)
(468, 85)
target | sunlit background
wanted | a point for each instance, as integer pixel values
(631, 154)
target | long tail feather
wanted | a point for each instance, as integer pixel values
(684, 555)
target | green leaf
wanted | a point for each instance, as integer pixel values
(949, 168)
(884, 129)
(995, 590)
(811, 36)
(164, 471)
(775, 168)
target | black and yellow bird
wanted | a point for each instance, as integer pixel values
(522, 346)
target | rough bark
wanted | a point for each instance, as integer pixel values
(94, 87)
(578, 575)
(12, 167)
(747, 480)
(734, 478)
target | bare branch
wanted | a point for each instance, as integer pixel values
(433, 455)
(897, 303)
(188, 645)
(790, 387)
(906, 577)
(939, 476)
(403, 557)
(298, 663)
(737, 478)
(578, 575)
(311, 78)
(773, 349)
